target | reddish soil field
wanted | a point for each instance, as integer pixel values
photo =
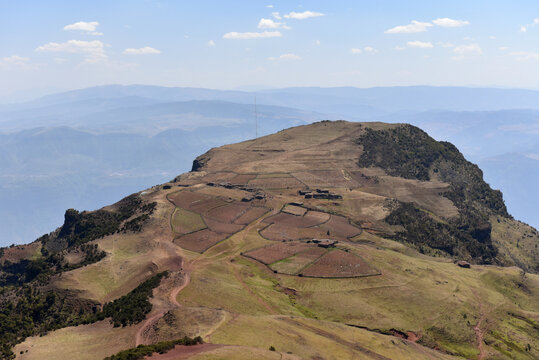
(185, 198)
(272, 253)
(276, 183)
(317, 217)
(340, 227)
(294, 210)
(295, 263)
(251, 215)
(200, 241)
(293, 220)
(279, 232)
(242, 179)
(204, 206)
(228, 213)
(221, 227)
(338, 263)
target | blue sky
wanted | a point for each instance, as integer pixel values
(262, 44)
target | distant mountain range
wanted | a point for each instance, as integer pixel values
(89, 147)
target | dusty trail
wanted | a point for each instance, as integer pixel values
(479, 333)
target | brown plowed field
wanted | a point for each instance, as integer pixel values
(200, 241)
(293, 264)
(294, 210)
(340, 227)
(338, 263)
(279, 232)
(221, 227)
(317, 217)
(242, 179)
(295, 221)
(272, 253)
(276, 183)
(204, 206)
(251, 215)
(185, 198)
(228, 213)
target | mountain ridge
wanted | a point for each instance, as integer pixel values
(245, 254)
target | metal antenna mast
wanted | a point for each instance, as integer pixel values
(256, 119)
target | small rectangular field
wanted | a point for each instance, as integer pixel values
(242, 179)
(272, 253)
(227, 213)
(337, 264)
(185, 221)
(294, 210)
(293, 264)
(251, 215)
(200, 241)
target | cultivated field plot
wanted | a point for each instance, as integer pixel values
(326, 178)
(276, 183)
(272, 253)
(185, 221)
(309, 259)
(186, 198)
(338, 263)
(339, 227)
(280, 232)
(227, 213)
(273, 175)
(203, 220)
(314, 224)
(251, 215)
(294, 210)
(242, 179)
(294, 264)
(200, 241)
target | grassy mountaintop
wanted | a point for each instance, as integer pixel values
(333, 240)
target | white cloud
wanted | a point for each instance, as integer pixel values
(303, 15)
(370, 50)
(525, 55)
(269, 6)
(413, 27)
(270, 24)
(356, 51)
(285, 57)
(93, 50)
(523, 28)
(473, 49)
(89, 27)
(447, 22)
(251, 35)
(446, 44)
(276, 15)
(14, 60)
(419, 44)
(141, 51)
(317, 42)
(211, 43)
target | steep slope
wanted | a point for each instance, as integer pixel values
(333, 240)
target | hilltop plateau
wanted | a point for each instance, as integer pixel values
(334, 240)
